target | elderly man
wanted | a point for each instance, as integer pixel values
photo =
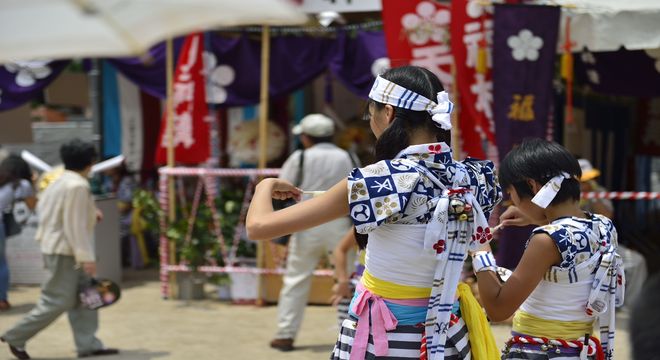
(318, 167)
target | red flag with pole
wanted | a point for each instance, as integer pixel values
(191, 124)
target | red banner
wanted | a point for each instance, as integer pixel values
(191, 126)
(417, 33)
(471, 40)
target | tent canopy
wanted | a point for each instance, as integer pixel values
(57, 29)
(608, 25)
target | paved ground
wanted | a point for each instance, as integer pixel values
(145, 327)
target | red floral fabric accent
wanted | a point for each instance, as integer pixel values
(435, 149)
(439, 246)
(482, 235)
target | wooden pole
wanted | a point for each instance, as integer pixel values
(263, 141)
(171, 197)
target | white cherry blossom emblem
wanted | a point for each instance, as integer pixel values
(218, 78)
(525, 45)
(28, 72)
(426, 24)
(380, 65)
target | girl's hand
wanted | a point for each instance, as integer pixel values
(282, 189)
(340, 290)
(512, 216)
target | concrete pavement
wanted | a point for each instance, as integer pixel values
(145, 327)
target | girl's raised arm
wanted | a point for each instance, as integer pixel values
(263, 223)
(502, 300)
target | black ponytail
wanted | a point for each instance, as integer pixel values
(397, 136)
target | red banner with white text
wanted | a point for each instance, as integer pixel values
(471, 42)
(417, 33)
(191, 120)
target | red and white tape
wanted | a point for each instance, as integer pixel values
(622, 195)
(237, 269)
(216, 172)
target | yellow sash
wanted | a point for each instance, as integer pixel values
(529, 324)
(390, 290)
(482, 342)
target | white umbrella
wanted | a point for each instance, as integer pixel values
(55, 29)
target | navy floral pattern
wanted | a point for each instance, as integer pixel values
(392, 191)
(578, 239)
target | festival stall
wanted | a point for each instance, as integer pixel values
(496, 108)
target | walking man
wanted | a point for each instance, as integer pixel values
(67, 216)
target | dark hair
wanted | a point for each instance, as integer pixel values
(14, 168)
(397, 136)
(77, 155)
(540, 160)
(320, 139)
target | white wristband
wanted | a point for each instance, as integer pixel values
(483, 261)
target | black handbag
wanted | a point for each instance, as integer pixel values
(11, 226)
(281, 204)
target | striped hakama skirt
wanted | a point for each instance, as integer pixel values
(404, 342)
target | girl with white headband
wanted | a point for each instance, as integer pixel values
(421, 211)
(570, 274)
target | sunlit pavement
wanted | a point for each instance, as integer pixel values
(143, 326)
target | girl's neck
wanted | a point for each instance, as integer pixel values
(566, 209)
(422, 136)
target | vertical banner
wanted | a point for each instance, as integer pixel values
(524, 49)
(191, 127)
(471, 38)
(130, 111)
(417, 33)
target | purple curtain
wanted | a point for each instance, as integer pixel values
(621, 73)
(236, 66)
(355, 56)
(22, 81)
(294, 62)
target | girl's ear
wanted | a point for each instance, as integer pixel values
(389, 113)
(534, 185)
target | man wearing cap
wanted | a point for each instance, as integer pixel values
(323, 165)
(633, 262)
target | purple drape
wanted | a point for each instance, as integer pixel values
(354, 59)
(294, 61)
(621, 73)
(23, 81)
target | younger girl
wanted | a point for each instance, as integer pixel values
(570, 273)
(15, 184)
(421, 210)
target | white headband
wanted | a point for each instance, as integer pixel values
(387, 92)
(544, 197)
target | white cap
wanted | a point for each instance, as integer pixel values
(316, 125)
(588, 171)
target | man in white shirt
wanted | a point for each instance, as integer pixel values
(67, 216)
(323, 165)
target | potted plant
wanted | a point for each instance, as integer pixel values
(194, 249)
